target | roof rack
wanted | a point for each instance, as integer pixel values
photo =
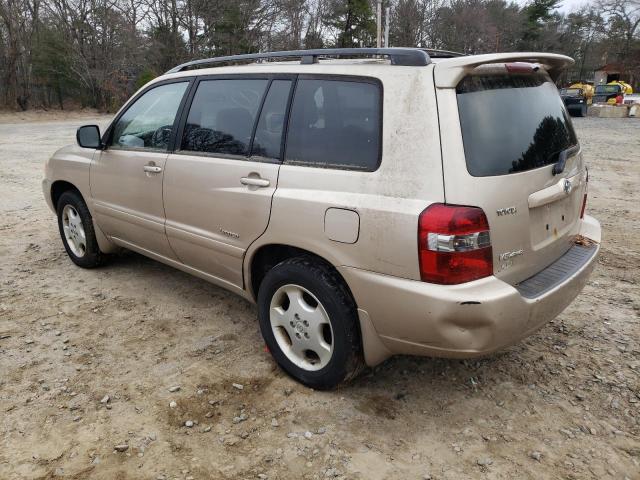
(434, 53)
(415, 57)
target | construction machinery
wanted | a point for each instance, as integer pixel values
(577, 97)
(609, 93)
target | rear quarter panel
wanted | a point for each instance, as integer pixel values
(388, 201)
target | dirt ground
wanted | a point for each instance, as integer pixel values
(88, 359)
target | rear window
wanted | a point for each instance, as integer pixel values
(607, 89)
(335, 124)
(512, 123)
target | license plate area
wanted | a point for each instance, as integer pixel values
(552, 222)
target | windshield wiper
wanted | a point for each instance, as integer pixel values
(558, 167)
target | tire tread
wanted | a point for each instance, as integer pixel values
(95, 257)
(330, 278)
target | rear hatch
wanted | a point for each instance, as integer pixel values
(504, 132)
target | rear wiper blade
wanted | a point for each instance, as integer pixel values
(562, 159)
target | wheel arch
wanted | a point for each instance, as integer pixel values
(59, 187)
(267, 256)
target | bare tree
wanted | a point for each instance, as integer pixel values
(96, 52)
(624, 16)
(413, 23)
(21, 19)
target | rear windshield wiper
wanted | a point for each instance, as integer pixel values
(558, 167)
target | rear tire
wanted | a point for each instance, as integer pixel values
(76, 230)
(309, 322)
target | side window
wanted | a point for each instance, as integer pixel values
(222, 116)
(335, 124)
(148, 123)
(268, 139)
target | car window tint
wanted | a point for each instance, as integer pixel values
(335, 124)
(222, 115)
(512, 123)
(148, 123)
(268, 138)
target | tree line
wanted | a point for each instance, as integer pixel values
(95, 53)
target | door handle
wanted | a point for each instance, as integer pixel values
(255, 182)
(152, 169)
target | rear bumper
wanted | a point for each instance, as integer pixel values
(401, 316)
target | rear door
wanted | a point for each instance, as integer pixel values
(219, 183)
(503, 130)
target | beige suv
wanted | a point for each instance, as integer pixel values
(370, 201)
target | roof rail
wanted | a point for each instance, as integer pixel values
(432, 52)
(399, 56)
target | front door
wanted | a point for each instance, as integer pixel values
(126, 177)
(219, 183)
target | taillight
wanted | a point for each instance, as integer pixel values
(454, 244)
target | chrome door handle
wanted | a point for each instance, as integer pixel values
(152, 169)
(255, 181)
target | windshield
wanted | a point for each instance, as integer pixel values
(607, 89)
(512, 123)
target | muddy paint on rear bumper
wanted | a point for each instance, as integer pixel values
(459, 321)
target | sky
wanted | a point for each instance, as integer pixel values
(570, 5)
(566, 5)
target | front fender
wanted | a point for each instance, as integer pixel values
(72, 164)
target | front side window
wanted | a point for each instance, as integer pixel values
(148, 122)
(222, 116)
(335, 124)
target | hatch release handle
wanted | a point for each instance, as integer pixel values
(562, 159)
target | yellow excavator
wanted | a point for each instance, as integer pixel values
(587, 90)
(577, 97)
(625, 87)
(608, 93)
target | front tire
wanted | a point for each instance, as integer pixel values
(77, 232)
(309, 322)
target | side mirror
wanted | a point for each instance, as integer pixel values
(88, 136)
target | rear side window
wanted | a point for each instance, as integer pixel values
(268, 139)
(512, 123)
(335, 124)
(222, 116)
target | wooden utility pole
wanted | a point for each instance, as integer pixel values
(379, 24)
(386, 27)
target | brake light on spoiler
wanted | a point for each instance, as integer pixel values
(454, 244)
(521, 67)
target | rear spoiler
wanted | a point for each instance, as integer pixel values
(448, 73)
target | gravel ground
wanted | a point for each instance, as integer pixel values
(91, 362)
